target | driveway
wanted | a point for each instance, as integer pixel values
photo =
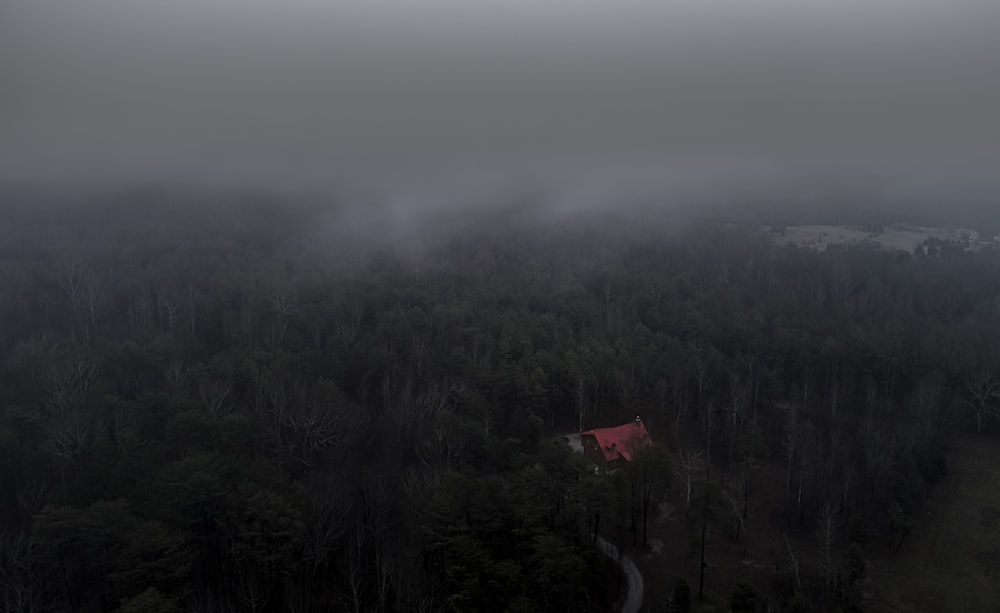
(633, 599)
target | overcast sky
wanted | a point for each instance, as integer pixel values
(294, 88)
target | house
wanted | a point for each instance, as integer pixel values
(611, 446)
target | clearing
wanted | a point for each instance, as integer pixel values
(952, 560)
(902, 237)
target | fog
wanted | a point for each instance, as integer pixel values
(426, 98)
(300, 299)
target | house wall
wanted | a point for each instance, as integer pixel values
(591, 449)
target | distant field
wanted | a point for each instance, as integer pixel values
(952, 562)
(819, 237)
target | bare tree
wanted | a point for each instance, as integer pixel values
(327, 522)
(71, 429)
(349, 323)
(18, 589)
(846, 481)
(983, 391)
(679, 401)
(83, 287)
(252, 592)
(310, 433)
(736, 397)
(32, 496)
(734, 410)
(792, 562)
(809, 437)
(737, 515)
(708, 416)
(93, 297)
(703, 366)
(281, 305)
(825, 535)
(356, 574)
(190, 295)
(170, 305)
(142, 313)
(174, 373)
(791, 445)
(68, 273)
(214, 393)
(834, 389)
(688, 466)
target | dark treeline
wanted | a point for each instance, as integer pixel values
(224, 409)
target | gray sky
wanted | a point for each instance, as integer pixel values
(304, 88)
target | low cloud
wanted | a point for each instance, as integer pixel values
(392, 92)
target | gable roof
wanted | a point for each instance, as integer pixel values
(622, 441)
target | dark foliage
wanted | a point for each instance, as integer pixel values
(226, 409)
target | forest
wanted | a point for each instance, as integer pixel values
(236, 404)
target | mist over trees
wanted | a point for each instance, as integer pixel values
(233, 404)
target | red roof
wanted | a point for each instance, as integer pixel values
(622, 441)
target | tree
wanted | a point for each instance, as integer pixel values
(900, 524)
(18, 582)
(149, 601)
(708, 422)
(650, 471)
(680, 598)
(851, 576)
(71, 427)
(737, 517)
(215, 406)
(745, 599)
(791, 442)
(825, 535)
(792, 567)
(982, 394)
(688, 467)
(734, 410)
(713, 506)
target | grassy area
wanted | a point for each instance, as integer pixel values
(819, 237)
(952, 561)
